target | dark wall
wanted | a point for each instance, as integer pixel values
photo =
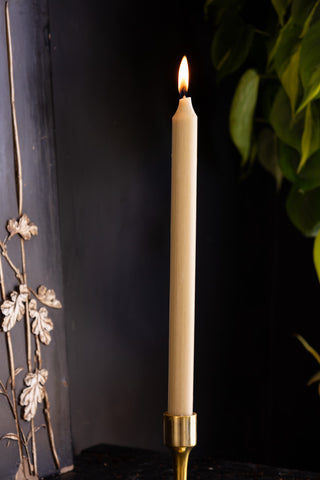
(31, 65)
(114, 80)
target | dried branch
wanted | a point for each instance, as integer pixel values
(50, 431)
(14, 115)
(4, 252)
(18, 307)
(12, 369)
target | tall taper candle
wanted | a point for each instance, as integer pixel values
(182, 252)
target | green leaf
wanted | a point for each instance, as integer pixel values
(309, 176)
(315, 378)
(280, 7)
(309, 19)
(316, 255)
(242, 110)
(312, 90)
(310, 55)
(289, 129)
(231, 44)
(303, 209)
(310, 64)
(216, 9)
(310, 138)
(267, 95)
(308, 347)
(285, 56)
(302, 10)
(289, 76)
(288, 160)
(286, 45)
(207, 5)
(306, 137)
(268, 154)
(284, 42)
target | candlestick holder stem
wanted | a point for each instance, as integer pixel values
(180, 436)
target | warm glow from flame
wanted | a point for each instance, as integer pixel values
(183, 79)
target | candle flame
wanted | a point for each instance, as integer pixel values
(183, 78)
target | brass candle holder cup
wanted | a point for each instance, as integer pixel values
(180, 435)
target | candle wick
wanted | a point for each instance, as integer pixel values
(183, 92)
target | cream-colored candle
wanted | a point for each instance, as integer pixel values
(182, 252)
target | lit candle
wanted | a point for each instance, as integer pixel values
(182, 251)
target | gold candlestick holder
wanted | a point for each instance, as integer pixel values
(180, 436)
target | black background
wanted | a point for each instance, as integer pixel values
(114, 73)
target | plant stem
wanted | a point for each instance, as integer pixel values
(24, 440)
(262, 32)
(28, 332)
(14, 115)
(13, 389)
(19, 181)
(38, 353)
(23, 277)
(46, 409)
(29, 353)
(16, 270)
(12, 371)
(50, 431)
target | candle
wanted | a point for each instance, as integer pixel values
(182, 251)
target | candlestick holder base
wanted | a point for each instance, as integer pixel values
(180, 436)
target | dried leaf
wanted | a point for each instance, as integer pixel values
(48, 297)
(41, 325)
(34, 393)
(10, 436)
(23, 227)
(14, 309)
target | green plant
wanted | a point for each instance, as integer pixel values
(316, 377)
(273, 50)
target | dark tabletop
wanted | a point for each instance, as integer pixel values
(105, 462)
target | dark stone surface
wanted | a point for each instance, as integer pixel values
(104, 462)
